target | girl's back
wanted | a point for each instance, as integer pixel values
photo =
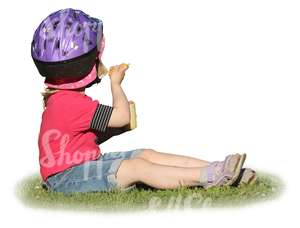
(66, 138)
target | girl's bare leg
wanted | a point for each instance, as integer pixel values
(156, 175)
(171, 159)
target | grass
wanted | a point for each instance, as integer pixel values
(31, 193)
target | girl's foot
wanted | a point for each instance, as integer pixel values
(247, 176)
(223, 173)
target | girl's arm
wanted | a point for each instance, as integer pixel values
(121, 113)
(113, 131)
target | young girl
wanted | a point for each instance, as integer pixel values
(66, 49)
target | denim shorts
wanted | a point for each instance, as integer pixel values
(91, 176)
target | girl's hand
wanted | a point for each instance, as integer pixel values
(117, 73)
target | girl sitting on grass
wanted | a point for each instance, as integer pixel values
(67, 47)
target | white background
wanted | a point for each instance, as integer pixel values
(208, 77)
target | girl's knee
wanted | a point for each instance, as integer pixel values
(129, 171)
(146, 154)
(132, 165)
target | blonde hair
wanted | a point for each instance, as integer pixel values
(46, 94)
(101, 72)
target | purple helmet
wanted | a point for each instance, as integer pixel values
(66, 43)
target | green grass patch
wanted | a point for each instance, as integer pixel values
(31, 193)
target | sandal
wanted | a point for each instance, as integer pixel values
(224, 173)
(237, 170)
(247, 176)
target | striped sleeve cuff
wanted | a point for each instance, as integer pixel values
(101, 117)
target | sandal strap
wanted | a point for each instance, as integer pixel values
(211, 170)
(220, 181)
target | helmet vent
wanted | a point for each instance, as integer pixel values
(55, 25)
(69, 26)
(57, 44)
(79, 29)
(75, 14)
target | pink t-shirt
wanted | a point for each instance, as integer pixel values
(65, 137)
